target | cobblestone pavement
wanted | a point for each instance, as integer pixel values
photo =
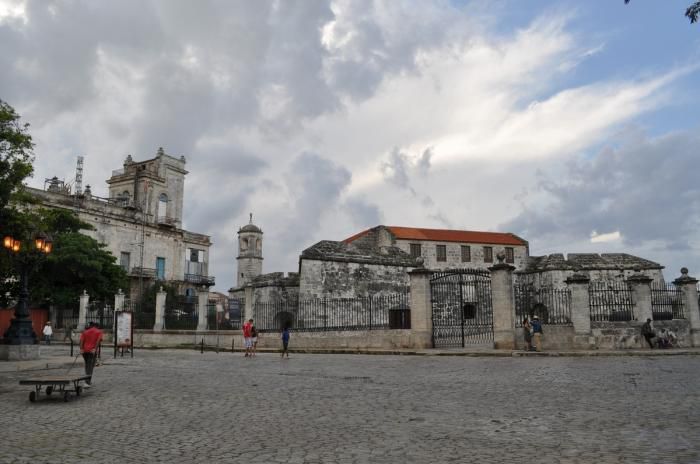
(182, 406)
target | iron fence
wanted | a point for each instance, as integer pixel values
(227, 319)
(551, 305)
(101, 313)
(666, 302)
(67, 318)
(611, 301)
(144, 318)
(181, 313)
(326, 314)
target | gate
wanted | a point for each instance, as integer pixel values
(461, 307)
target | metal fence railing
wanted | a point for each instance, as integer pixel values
(611, 301)
(326, 314)
(181, 313)
(67, 318)
(100, 312)
(229, 315)
(551, 305)
(667, 302)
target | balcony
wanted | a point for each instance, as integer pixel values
(146, 272)
(166, 221)
(199, 279)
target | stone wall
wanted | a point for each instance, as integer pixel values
(557, 278)
(627, 335)
(454, 254)
(337, 279)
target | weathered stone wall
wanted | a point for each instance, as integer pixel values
(554, 337)
(627, 335)
(338, 279)
(557, 278)
(454, 254)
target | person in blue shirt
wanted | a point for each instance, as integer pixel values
(285, 342)
(537, 333)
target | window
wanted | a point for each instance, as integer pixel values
(160, 268)
(162, 205)
(195, 256)
(488, 254)
(510, 257)
(441, 251)
(125, 260)
(415, 250)
(466, 253)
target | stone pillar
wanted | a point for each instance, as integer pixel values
(160, 311)
(53, 316)
(580, 303)
(203, 309)
(119, 300)
(503, 304)
(688, 286)
(82, 315)
(421, 308)
(248, 310)
(641, 292)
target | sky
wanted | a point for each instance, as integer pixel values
(572, 124)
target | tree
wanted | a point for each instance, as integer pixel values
(16, 153)
(692, 12)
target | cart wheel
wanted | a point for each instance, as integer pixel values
(32, 396)
(49, 390)
(78, 390)
(66, 396)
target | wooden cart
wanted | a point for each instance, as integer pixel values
(62, 385)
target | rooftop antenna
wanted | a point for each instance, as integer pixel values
(79, 176)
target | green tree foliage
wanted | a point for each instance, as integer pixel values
(692, 12)
(16, 153)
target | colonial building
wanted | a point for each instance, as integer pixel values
(141, 222)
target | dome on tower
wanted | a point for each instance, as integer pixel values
(250, 227)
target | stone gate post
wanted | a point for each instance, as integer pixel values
(82, 314)
(248, 310)
(203, 309)
(689, 288)
(160, 311)
(421, 308)
(119, 300)
(578, 284)
(641, 292)
(503, 304)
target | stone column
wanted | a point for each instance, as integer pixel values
(503, 304)
(641, 292)
(53, 316)
(688, 286)
(421, 308)
(160, 311)
(248, 310)
(82, 315)
(119, 300)
(203, 308)
(580, 303)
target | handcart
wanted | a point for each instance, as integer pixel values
(61, 384)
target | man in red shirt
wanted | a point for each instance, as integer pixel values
(248, 337)
(89, 342)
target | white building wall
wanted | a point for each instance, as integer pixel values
(454, 254)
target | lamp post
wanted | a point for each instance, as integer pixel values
(20, 331)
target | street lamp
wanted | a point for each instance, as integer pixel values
(20, 331)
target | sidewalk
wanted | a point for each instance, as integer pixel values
(58, 357)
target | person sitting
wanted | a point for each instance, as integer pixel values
(648, 333)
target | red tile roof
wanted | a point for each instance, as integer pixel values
(444, 235)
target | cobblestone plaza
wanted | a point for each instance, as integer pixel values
(182, 406)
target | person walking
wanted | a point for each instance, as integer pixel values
(90, 341)
(537, 333)
(247, 339)
(648, 333)
(48, 332)
(285, 342)
(527, 334)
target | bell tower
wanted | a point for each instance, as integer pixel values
(249, 253)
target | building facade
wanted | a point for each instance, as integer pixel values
(141, 223)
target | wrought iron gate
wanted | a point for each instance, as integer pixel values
(461, 307)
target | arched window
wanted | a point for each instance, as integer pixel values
(244, 244)
(162, 205)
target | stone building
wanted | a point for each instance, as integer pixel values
(141, 223)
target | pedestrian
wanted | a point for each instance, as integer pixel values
(254, 339)
(48, 332)
(527, 334)
(537, 333)
(247, 338)
(648, 333)
(90, 341)
(285, 342)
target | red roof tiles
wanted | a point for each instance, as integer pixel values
(444, 235)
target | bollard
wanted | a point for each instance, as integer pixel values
(71, 347)
(202, 348)
(232, 340)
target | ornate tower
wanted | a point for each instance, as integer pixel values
(249, 253)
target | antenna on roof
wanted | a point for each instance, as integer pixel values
(79, 176)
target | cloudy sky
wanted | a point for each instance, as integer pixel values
(573, 124)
